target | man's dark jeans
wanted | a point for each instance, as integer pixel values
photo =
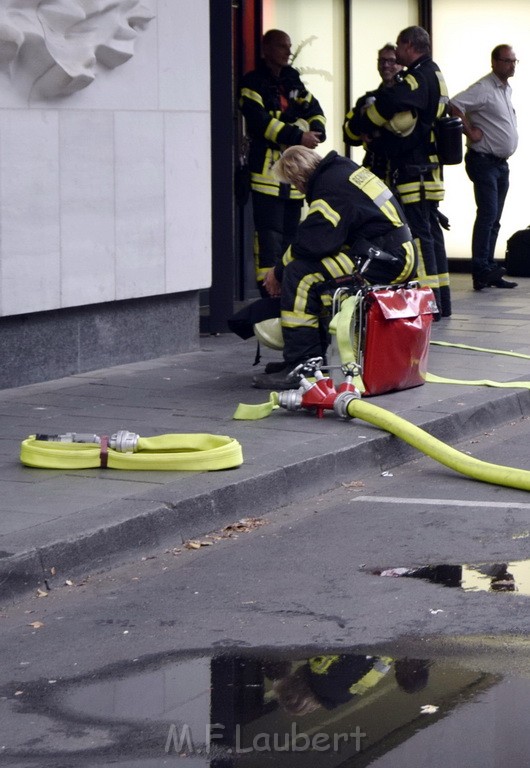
(491, 178)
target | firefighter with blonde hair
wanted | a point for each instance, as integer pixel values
(353, 219)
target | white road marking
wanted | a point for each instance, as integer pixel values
(443, 502)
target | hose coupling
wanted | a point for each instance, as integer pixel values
(124, 441)
(290, 399)
(70, 437)
(342, 401)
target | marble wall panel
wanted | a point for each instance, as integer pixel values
(140, 206)
(29, 211)
(183, 54)
(188, 206)
(105, 194)
(87, 208)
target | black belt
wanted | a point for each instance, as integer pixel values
(393, 239)
(488, 155)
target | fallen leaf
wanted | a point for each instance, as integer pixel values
(69, 583)
(53, 570)
(435, 610)
(354, 484)
(192, 544)
(18, 693)
(42, 593)
(36, 624)
(428, 709)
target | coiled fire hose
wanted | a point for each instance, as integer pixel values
(126, 450)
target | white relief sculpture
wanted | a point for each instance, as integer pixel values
(52, 48)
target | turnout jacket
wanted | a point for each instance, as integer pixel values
(350, 206)
(271, 106)
(336, 680)
(421, 89)
(375, 157)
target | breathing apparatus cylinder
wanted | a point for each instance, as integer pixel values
(448, 132)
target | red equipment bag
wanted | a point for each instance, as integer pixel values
(397, 332)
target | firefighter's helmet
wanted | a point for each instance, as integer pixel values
(269, 332)
(402, 124)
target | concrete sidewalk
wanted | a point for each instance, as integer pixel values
(61, 520)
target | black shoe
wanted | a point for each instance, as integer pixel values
(276, 381)
(488, 277)
(276, 367)
(504, 284)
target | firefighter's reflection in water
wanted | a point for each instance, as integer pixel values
(501, 580)
(329, 681)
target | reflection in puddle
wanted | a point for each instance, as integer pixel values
(486, 577)
(250, 710)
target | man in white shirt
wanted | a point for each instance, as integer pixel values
(491, 129)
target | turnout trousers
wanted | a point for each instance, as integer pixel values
(433, 268)
(275, 222)
(303, 305)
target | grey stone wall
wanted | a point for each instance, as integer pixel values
(50, 345)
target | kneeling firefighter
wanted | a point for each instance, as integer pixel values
(353, 219)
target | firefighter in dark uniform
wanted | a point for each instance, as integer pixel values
(279, 112)
(351, 212)
(415, 168)
(375, 157)
(331, 681)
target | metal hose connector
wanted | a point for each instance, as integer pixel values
(290, 399)
(342, 401)
(124, 441)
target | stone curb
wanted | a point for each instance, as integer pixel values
(141, 523)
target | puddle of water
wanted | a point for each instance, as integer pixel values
(330, 709)
(482, 577)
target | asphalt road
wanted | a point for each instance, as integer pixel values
(301, 580)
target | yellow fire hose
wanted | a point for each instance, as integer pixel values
(125, 450)
(437, 450)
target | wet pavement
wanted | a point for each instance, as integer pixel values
(55, 520)
(377, 707)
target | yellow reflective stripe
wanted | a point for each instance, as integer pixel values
(273, 129)
(415, 197)
(300, 300)
(443, 85)
(390, 211)
(371, 185)
(350, 134)
(411, 82)
(431, 281)
(332, 267)
(374, 116)
(246, 93)
(319, 665)
(410, 258)
(261, 272)
(378, 192)
(267, 186)
(371, 678)
(287, 256)
(443, 279)
(338, 265)
(298, 320)
(317, 118)
(346, 263)
(325, 209)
